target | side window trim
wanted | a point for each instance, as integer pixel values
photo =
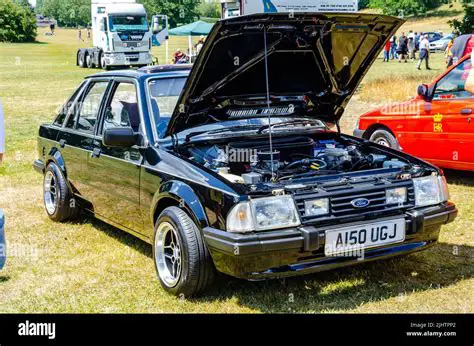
(75, 100)
(108, 99)
(81, 98)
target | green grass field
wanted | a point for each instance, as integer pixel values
(92, 267)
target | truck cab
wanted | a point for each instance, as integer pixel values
(121, 35)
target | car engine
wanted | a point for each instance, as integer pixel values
(290, 157)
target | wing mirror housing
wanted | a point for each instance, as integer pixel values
(120, 137)
(156, 27)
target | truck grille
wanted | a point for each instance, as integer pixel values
(340, 198)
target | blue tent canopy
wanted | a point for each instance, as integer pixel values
(194, 29)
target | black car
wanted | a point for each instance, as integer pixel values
(230, 164)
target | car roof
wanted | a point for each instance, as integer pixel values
(145, 72)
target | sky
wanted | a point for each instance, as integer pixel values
(32, 2)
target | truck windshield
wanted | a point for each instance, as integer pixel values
(128, 23)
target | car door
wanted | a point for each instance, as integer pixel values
(115, 172)
(77, 135)
(441, 130)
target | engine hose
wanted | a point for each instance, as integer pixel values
(320, 163)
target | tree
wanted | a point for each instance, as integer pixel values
(404, 7)
(465, 25)
(210, 10)
(178, 11)
(17, 22)
(68, 12)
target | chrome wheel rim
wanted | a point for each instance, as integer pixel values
(51, 192)
(382, 141)
(168, 254)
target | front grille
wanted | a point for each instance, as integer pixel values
(340, 198)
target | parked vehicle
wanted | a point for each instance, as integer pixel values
(441, 44)
(437, 126)
(218, 169)
(232, 8)
(433, 36)
(121, 35)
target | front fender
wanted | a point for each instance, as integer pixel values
(185, 197)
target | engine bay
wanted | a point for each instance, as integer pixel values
(289, 158)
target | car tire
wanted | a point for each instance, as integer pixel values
(59, 202)
(182, 261)
(385, 138)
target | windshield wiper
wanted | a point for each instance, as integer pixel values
(228, 129)
(290, 122)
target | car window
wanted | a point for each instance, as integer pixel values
(164, 96)
(88, 109)
(122, 109)
(66, 108)
(452, 85)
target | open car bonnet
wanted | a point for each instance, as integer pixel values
(315, 62)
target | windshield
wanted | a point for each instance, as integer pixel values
(164, 94)
(128, 23)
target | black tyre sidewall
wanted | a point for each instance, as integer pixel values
(385, 135)
(63, 210)
(191, 281)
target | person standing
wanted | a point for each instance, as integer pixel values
(199, 44)
(79, 34)
(393, 47)
(89, 33)
(386, 52)
(424, 53)
(449, 54)
(402, 49)
(411, 45)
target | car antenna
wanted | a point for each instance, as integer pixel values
(268, 101)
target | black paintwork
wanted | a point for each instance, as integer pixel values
(130, 186)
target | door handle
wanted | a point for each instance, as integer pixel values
(95, 153)
(466, 111)
(62, 143)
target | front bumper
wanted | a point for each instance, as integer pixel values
(3, 248)
(128, 59)
(300, 250)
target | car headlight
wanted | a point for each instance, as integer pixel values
(444, 188)
(396, 196)
(428, 191)
(316, 207)
(263, 214)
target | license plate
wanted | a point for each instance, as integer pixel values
(358, 237)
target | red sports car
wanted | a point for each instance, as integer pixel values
(437, 125)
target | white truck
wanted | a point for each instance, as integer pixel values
(232, 8)
(122, 36)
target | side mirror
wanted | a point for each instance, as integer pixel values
(423, 91)
(120, 137)
(156, 27)
(103, 24)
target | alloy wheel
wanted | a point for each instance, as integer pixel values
(168, 254)
(51, 192)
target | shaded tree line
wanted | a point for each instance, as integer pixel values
(17, 21)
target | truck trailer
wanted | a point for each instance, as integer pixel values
(122, 36)
(232, 8)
